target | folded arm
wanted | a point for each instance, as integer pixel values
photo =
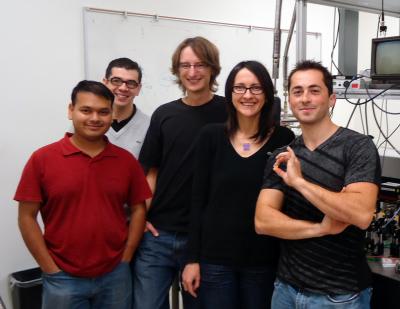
(355, 204)
(269, 220)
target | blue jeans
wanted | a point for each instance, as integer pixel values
(112, 290)
(226, 288)
(286, 296)
(157, 262)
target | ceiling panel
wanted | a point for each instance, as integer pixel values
(391, 7)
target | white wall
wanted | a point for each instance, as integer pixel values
(41, 61)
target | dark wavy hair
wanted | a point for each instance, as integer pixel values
(207, 53)
(266, 121)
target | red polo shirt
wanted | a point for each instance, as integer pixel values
(82, 202)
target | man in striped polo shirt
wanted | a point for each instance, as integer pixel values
(318, 196)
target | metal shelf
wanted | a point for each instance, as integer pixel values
(393, 94)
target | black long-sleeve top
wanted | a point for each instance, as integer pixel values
(224, 196)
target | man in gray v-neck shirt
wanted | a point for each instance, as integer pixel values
(128, 129)
(318, 196)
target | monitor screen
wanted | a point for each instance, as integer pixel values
(388, 57)
(385, 59)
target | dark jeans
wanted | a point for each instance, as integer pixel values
(226, 288)
(157, 262)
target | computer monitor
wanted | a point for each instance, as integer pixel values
(385, 60)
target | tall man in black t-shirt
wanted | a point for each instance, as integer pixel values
(319, 195)
(167, 157)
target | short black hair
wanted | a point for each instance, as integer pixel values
(313, 65)
(266, 120)
(94, 87)
(126, 64)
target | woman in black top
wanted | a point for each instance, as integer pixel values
(233, 266)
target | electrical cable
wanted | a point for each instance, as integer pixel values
(366, 118)
(385, 111)
(390, 135)
(361, 117)
(377, 27)
(333, 36)
(380, 129)
(372, 99)
(382, 27)
(387, 135)
(387, 129)
(358, 76)
(374, 106)
(387, 124)
(380, 124)
(352, 113)
(334, 45)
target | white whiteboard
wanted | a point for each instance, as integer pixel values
(151, 42)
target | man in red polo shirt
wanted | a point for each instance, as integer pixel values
(80, 184)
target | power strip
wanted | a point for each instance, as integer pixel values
(343, 82)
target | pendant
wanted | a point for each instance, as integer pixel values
(246, 146)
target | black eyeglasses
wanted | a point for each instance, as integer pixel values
(131, 84)
(197, 66)
(253, 89)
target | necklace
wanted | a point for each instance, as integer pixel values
(244, 142)
(246, 146)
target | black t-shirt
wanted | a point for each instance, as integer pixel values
(332, 264)
(169, 147)
(225, 191)
(118, 125)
